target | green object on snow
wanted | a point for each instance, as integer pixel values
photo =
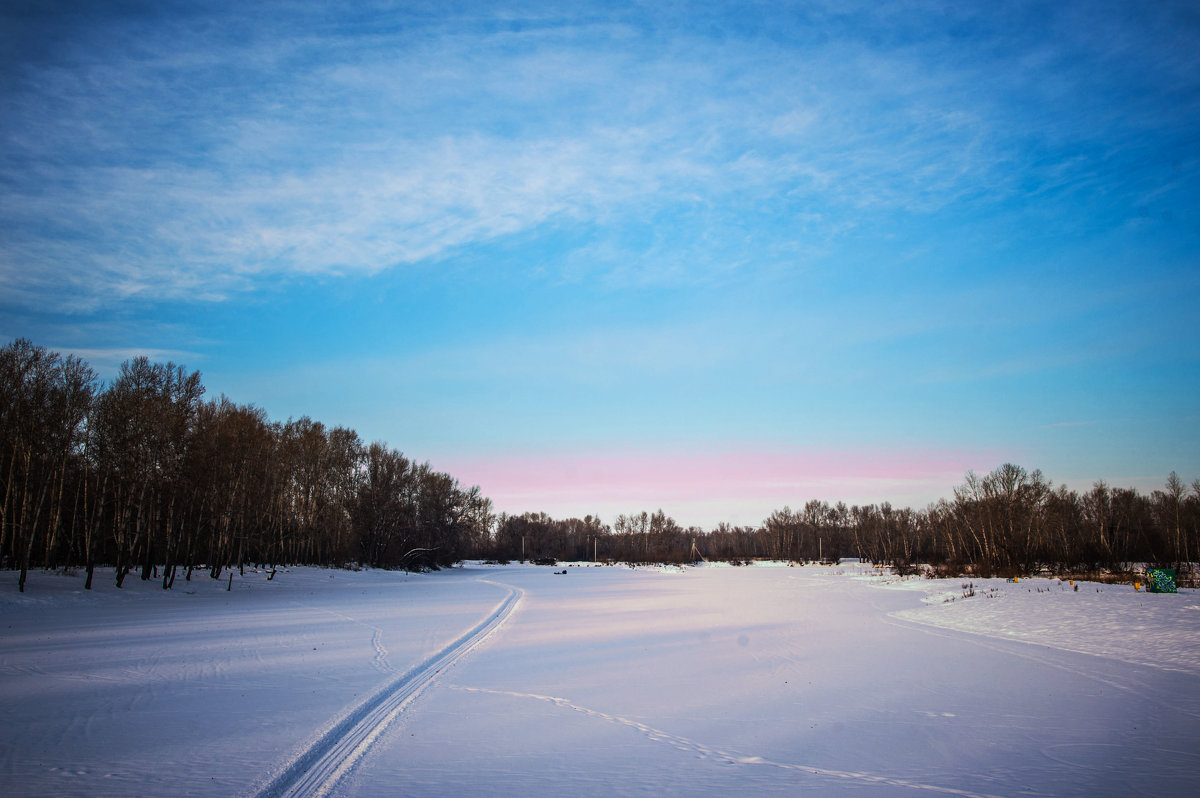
(1160, 580)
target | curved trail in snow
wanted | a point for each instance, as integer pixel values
(315, 771)
(703, 751)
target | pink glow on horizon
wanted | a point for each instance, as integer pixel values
(706, 482)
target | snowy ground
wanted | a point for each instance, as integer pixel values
(521, 681)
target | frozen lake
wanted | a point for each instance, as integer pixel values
(521, 681)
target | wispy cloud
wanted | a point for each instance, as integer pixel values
(196, 164)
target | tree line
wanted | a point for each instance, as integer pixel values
(144, 473)
(1010, 521)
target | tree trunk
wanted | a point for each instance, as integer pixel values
(169, 567)
(6, 506)
(93, 532)
(148, 554)
(32, 531)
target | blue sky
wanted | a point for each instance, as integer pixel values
(818, 250)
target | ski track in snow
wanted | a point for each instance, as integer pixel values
(727, 757)
(317, 770)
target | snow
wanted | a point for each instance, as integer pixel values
(517, 680)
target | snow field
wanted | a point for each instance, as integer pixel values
(604, 681)
(200, 691)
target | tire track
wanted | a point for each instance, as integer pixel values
(315, 771)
